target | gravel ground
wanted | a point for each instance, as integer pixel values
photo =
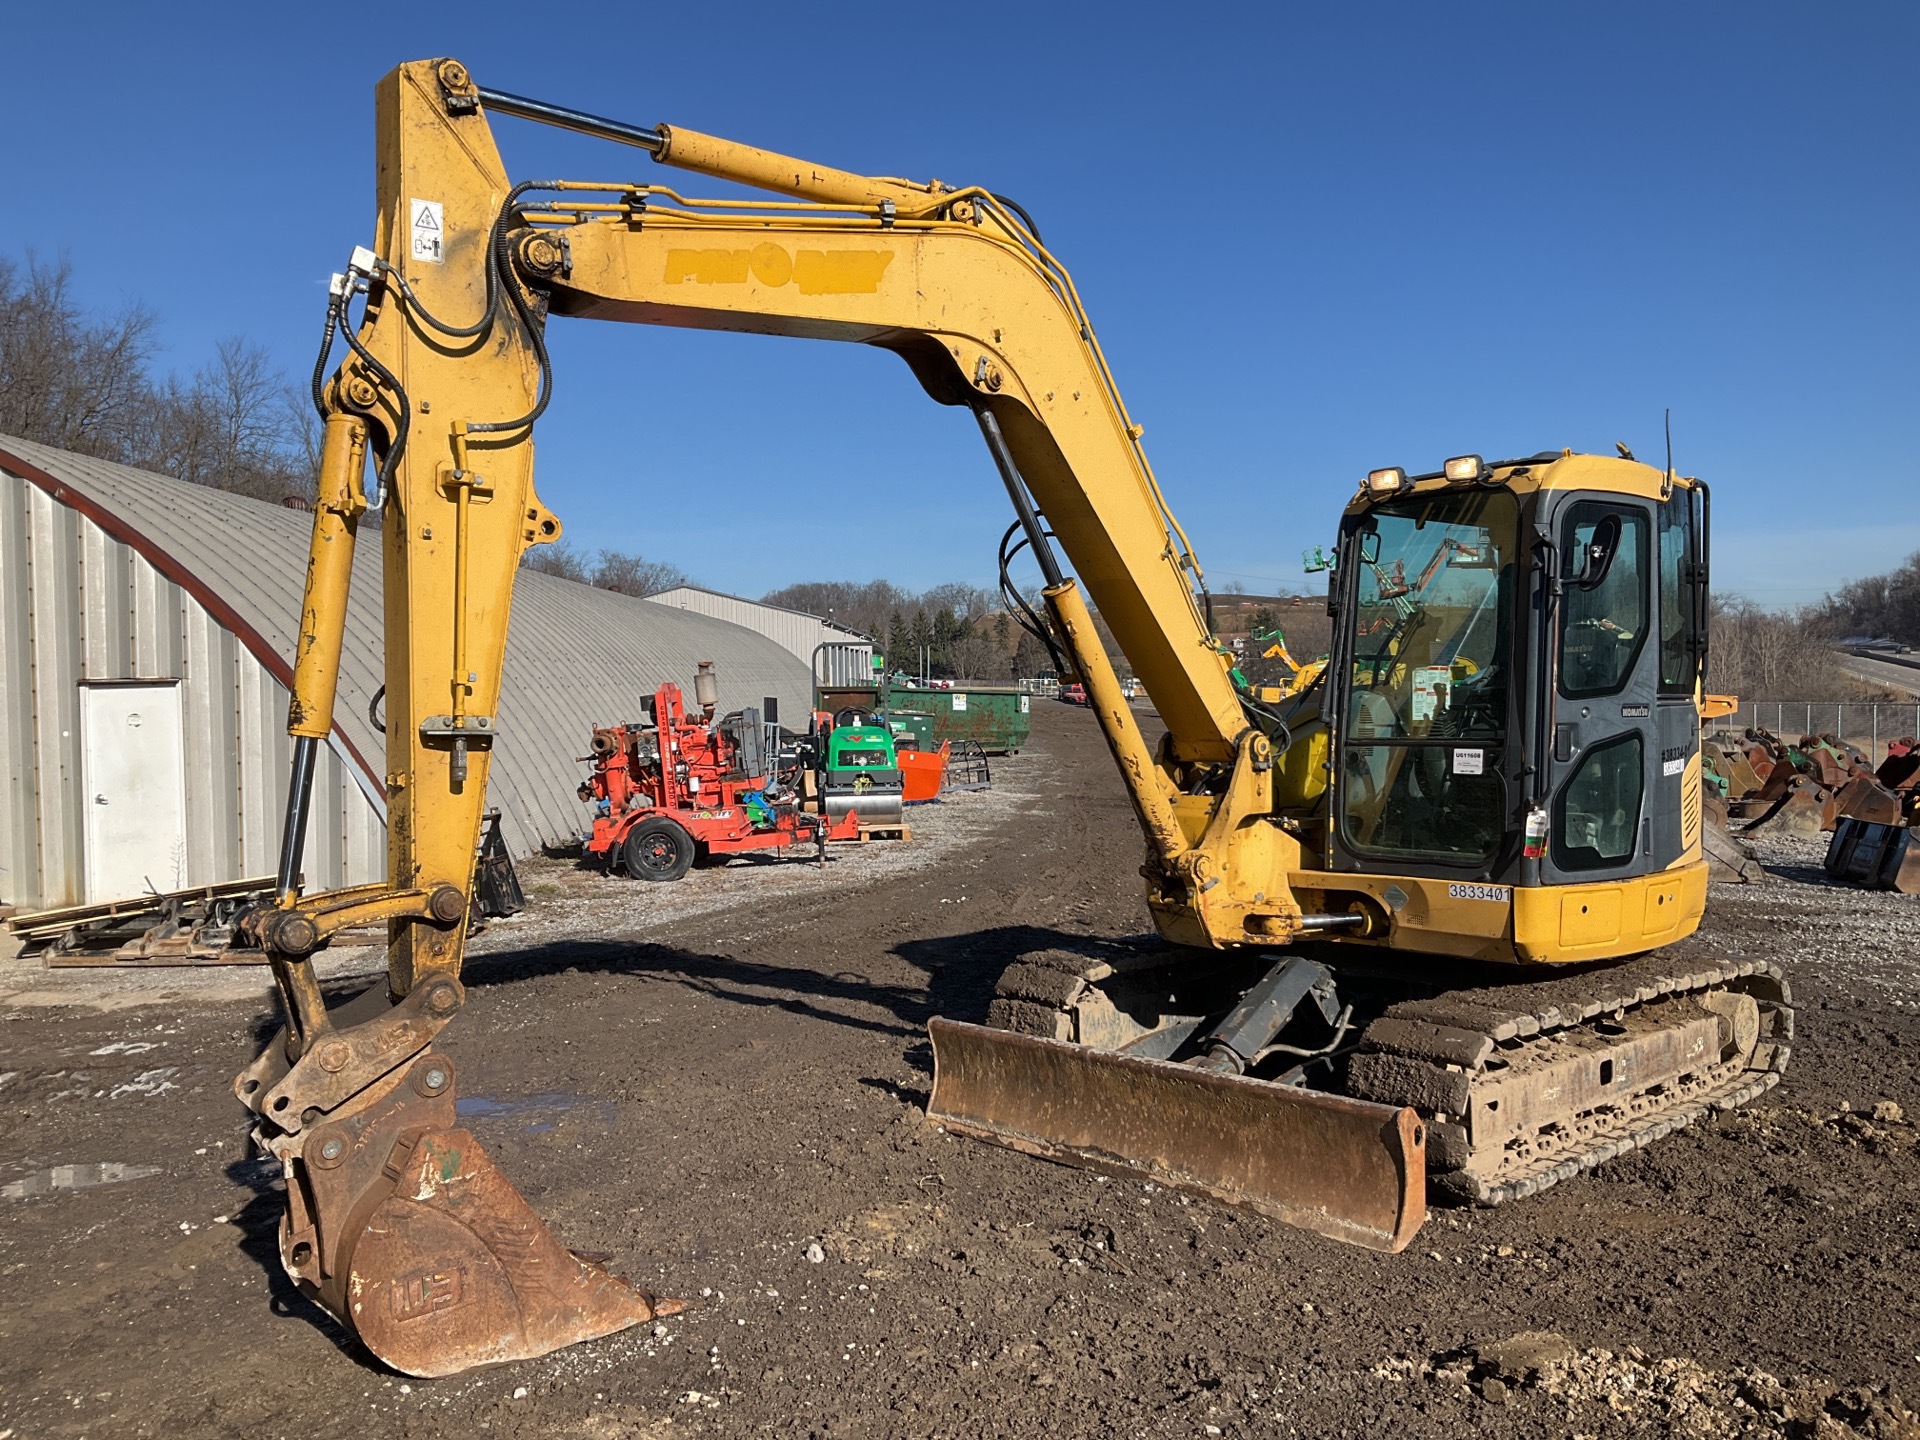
(722, 1085)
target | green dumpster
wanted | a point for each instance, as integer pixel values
(911, 729)
(996, 718)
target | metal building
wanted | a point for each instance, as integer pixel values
(144, 630)
(849, 660)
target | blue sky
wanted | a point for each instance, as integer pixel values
(1314, 240)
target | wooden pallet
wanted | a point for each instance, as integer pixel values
(885, 832)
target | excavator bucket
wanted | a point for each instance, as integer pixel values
(1874, 857)
(400, 1225)
(1352, 1170)
(1727, 858)
(1861, 798)
(1790, 804)
(454, 1270)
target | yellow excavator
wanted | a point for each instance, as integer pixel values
(1403, 917)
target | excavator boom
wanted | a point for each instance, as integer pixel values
(398, 1222)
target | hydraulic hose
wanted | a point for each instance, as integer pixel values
(1020, 210)
(403, 420)
(1024, 614)
(452, 332)
(503, 265)
(326, 350)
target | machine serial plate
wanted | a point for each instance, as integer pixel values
(1502, 893)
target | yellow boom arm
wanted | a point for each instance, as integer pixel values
(447, 374)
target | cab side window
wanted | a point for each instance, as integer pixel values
(1604, 602)
(1597, 813)
(1679, 652)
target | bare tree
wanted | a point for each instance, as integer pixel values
(963, 602)
(867, 607)
(300, 422)
(974, 655)
(616, 570)
(1772, 654)
(1030, 658)
(1878, 605)
(227, 429)
(559, 559)
(66, 380)
(631, 574)
(242, 392)
(82, 384)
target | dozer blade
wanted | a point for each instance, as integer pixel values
(400, 1225)
(1349, 1169)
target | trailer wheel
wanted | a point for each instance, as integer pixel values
(657, 849)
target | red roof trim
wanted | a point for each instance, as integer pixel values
(185, 577)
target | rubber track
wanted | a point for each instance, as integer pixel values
(1513, 1015)
(1036, 994)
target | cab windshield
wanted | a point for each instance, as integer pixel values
(1430, 605)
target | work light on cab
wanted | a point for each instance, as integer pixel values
(1390, 481)
(1466, 469)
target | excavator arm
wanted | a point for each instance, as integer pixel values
(398, 1222)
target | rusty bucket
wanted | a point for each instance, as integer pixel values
(400, 1225)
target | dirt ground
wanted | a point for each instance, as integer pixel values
(712, 1083)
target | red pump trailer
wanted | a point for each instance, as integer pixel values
(668, 788)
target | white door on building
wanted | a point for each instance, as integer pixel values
(133, 770)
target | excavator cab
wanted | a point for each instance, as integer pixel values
(1524, 716)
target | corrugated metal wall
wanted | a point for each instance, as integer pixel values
(205, 587)
(793, 630)
(77, 605)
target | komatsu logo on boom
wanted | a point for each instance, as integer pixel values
(813, 272)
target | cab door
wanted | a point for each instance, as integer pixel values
(1682, 641)
(1606, 751)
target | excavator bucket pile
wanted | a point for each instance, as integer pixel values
(1791, 789)
(1349, 1169)
(1874, 822)
(1815, 785)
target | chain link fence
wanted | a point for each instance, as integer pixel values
(1870, 724)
